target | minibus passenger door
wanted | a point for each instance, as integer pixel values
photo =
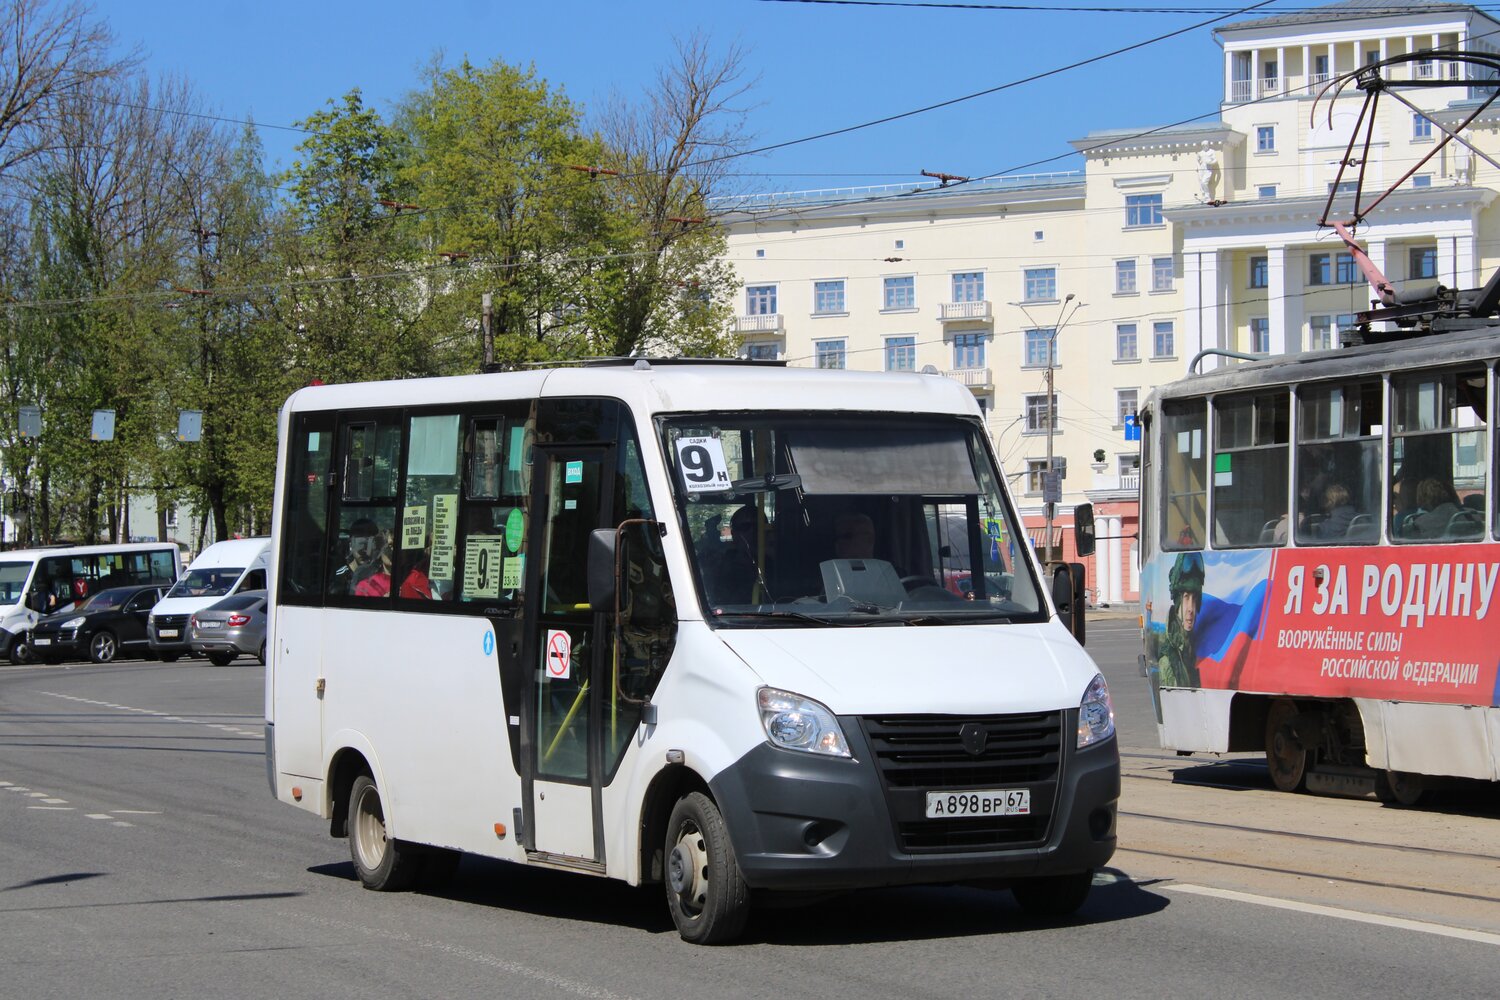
(566, 641)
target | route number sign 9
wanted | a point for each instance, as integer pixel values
(700, 460)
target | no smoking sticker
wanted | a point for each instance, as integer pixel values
(559, 654)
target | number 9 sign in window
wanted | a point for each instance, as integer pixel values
(700, 460)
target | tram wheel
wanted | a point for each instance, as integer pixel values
(1402, 788)
(1286, 757)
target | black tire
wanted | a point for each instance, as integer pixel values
(1400, 788)
(1055, 895)
(706, 894)
(261, 655)
(21, 652)
(382, 864)
(1286, 757)
(170, 657)
(103, 647)
(220, 659)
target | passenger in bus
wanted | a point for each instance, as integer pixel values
(1338, 512)
(737, 575)
(367, 556)
(1436, 505)
(853, 536)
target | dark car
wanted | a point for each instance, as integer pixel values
(235, 625)
(111, 623)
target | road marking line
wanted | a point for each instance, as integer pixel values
(98, 815)
(1401, 923)
(17, 788)
(37, 795)
(121, 822)
(4, 784)
(137, 812)
(64, 809)
(56, 802)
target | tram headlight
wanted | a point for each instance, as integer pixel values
(1096, 714)
(793, 722)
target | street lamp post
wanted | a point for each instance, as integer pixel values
(1049, 507)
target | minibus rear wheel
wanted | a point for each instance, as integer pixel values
(705, 891)
(381, 862)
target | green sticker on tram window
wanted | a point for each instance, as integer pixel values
(1221, 462)
(573, 473)
(515, 528)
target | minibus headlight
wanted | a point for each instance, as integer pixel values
(1096, 714)
(796, 723)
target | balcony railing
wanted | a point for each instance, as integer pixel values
(1270, 85)
(1319, 78)
(955, 312)
(974, 378)
(1239, 91)
(759, 323)
(1130, 481)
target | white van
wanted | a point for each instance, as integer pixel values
(37, 582)
(691, 624)
(221, 569)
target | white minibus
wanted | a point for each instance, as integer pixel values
(692, 624)
(224, 568)
(36, 582)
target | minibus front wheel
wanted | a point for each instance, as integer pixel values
(706, 893)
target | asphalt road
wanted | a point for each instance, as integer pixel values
(141, 855)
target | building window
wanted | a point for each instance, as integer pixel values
(1034, 469)
(968, 287)
(1260, 272)
(1265, 138)
(1319, 333)
(901, 354)
(1036, 413)
(1163, 342)
(171, 516)
(1320, 69)
(1126, 348)
(1039, 344)
(1345, 270)
(1330, 269)
(828, 296)
(1130, 465)
(829, 353)
(1125, 276)
(968, 350)
(1142, 210)
(900, 293)
(760, 253)
(760, 300)
(1421, 126)
(760, 352)
(1422, 181)
(1422, 263)
(900, 244)
(1270, 79)
(1260, 335)
(1343, 323)
(1126, 403)
(1039, 284)
(1266, 191)
(1161, 274)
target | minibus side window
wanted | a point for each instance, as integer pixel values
(304, 529)
(426, 566)
(482, 552)
(363, 550)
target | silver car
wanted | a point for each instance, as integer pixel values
(235, 625)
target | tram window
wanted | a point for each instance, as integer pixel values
(1338, 463)
(1250, 472)
(1438, 470)
(1185, 473)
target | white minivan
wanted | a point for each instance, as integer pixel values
(222, 569)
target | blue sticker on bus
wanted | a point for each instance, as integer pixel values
(489, 643)
(573, 472)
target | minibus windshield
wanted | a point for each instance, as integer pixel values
(206, 582)
(848, 519)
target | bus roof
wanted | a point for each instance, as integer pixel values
(85, 550)
(1438, 350)
(667, 388)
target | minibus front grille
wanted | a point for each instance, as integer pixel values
(917, 754)
(171, 621)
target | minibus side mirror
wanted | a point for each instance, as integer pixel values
(1083, 529)
(35, 601)
(601, 570)
(1067, 595)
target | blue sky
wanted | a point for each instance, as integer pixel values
(818, 68)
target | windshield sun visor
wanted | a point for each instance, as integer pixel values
(931, 460)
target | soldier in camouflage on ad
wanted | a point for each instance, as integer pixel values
(1177, 660)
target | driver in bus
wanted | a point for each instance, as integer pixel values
(1177, 660)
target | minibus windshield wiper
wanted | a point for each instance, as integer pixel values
(840, 621)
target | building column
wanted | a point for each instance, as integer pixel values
(1463, 262)
(1116, 583)
(1255, 75)
(1200, 303)
(1228, 77)
(1276, 299)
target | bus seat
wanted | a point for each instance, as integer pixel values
(1465, 524)
(1362, 527)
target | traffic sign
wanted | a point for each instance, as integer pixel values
(1132, 428)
